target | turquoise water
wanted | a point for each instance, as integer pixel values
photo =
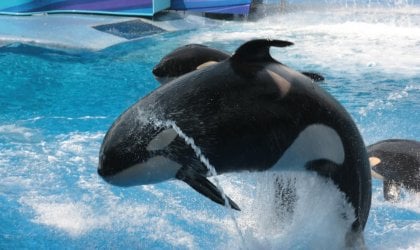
(57, 106)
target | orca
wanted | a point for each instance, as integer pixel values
(247, 113)
(185, 59)
(397, 163)
(191, 57)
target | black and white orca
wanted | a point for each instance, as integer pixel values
(397, 163)
(247, 113)
(191, 57)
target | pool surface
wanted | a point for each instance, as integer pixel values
(56, 106)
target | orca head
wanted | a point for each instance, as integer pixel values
(140, 152)
(176, 63)
(394, 159)
(384, 163)
(186, 59)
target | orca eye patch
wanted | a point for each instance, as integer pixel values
(162, 140)
(374, 161)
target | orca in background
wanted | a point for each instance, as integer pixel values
(397, 163)
(246, 113)
(188, 58)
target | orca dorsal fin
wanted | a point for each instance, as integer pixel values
(258, 50)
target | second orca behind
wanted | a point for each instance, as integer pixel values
(186, 59)
(246, 113)
(397, 163)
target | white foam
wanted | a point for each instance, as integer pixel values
(404, 93)
(79, 217)
(382, 103)
(13, 183)
(343, 41)
(73, 217)
(388, 221)
(409, 200)
(304, 228)
(75, 142)
(86, 117)
(59, 188)
(15, 132)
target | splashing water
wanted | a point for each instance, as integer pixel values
(279, 206)
(209, 166)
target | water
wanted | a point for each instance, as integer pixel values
(211, 169)
(56, 108)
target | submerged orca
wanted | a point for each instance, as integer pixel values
(186, 59)
(247, 113)
(397, 163)
(191, 57)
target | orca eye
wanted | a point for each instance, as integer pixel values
(162, 140)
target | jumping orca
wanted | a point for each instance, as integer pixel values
(191, 57)
(247, 113)
(397, 163)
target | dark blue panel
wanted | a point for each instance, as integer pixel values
(130, 29)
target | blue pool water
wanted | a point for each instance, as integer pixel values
(57, 106)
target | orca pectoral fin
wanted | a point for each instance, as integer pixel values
(202, 185)
(314, 76)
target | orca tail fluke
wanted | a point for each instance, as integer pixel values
(202, 185)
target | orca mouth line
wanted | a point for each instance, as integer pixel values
(108, 172)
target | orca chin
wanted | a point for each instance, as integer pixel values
(248, 112)
(156, 169)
